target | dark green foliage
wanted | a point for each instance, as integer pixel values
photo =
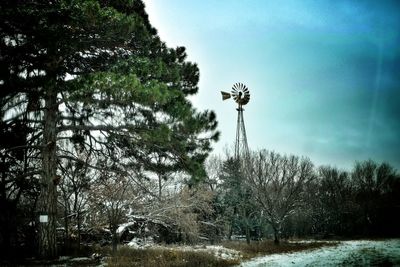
(239, 207)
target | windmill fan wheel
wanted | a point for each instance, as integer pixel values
(240, 93)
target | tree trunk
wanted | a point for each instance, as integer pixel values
(114, 240)
(66, 225)
(247, 226)
(247, 233)
(47, 204)
(276, 238)
(276, 235)
(159, 186)
(230, 232)
(79, 230)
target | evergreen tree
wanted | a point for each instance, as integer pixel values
(237, 199)
(96, 75)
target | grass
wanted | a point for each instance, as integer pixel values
(267, 247)
(174, 257)
(163, 257)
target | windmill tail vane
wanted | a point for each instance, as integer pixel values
(225, 95)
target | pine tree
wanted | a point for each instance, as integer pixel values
(237, 199)
(96, 75)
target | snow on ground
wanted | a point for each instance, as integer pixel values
(219, 251)
(123, 226)
(346, 253)
(140, 243)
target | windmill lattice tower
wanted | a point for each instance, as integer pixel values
(240, 93)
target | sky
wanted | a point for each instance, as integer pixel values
(324, 76)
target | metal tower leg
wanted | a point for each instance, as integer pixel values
(241, 146)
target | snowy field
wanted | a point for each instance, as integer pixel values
(346, 253)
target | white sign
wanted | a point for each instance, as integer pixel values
(43, 218)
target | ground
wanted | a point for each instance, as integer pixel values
(303, 253)
(346, 253)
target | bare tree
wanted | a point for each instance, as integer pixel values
(277, 183)
(335, 197)
(213, 167)
(372, 182)
(110, 201)
(180, 209)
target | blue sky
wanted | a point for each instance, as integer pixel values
(324, 76)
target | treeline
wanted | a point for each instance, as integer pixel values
(264, 196)
(280, 196)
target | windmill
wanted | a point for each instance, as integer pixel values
(241, 95)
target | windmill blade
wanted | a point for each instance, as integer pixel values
(225, 95)
(240, 93)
